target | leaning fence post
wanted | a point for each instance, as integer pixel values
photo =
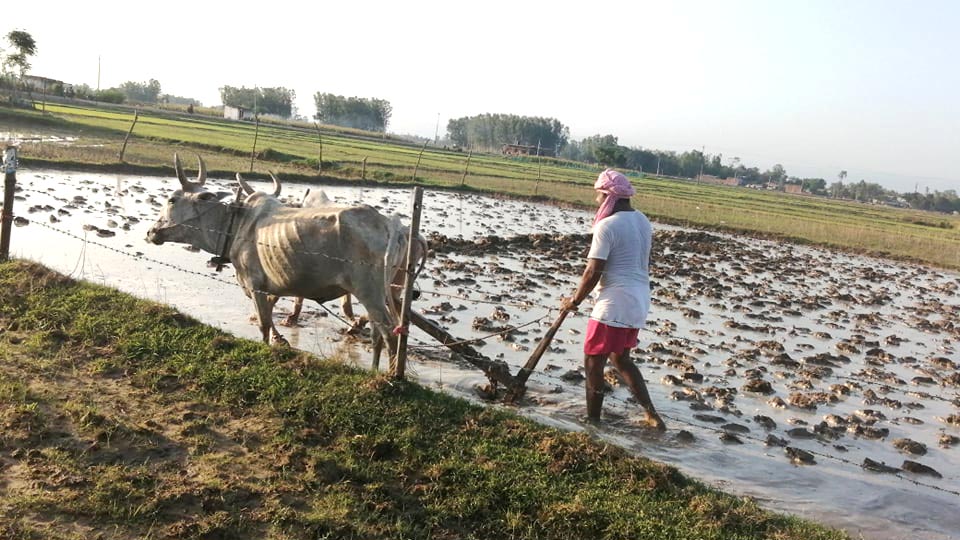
(320, 137)
(123, 149)
(400, 367)
(467, 166)
(363, 169)
(417, 167)
(9, 186)
(256, 133)
(536, 187)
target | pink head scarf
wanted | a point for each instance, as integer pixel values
(616, 186)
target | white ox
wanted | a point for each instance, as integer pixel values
(277, 250)
(318, 199)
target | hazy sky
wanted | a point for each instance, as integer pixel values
(869, 86)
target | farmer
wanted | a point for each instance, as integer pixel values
(618, 262)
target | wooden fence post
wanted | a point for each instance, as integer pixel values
(399, 369)
(320, 137)
(123, 149)
(422, 148)
(467, 166)
(256, 133)
(363, 169)
(9, 186)
(536, 186)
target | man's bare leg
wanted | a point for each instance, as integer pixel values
(631, 375)
(593, 364)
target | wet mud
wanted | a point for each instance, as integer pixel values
(823, 384)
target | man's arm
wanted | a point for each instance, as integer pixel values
(589, 279)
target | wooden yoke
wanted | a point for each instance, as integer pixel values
(223, 258)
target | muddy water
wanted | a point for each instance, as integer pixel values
(836, 355)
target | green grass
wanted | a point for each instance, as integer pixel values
(293, 151)
(196, 434)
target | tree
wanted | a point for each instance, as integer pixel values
(777, 174)
(816, 186)
(494, 130)
(24, 47)
(147, 92)
(842, 175)
(371, 114)
(278, 100)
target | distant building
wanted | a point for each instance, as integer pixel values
(237, 113)
(41, 84)
(793, 188)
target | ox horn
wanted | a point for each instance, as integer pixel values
(180, 176)
(243, 184)
(276, 185)
(202, 174)
(186, 184)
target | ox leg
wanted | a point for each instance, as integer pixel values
(294, 317)
(264, 304)
(372, 295)
(380, 335)
(346, 306)
(377, 349)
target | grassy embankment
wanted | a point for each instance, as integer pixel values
(903, 234)
(122, 418)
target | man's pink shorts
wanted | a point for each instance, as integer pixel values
(604, 339)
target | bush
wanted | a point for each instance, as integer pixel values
(111, 95)
(269, 154)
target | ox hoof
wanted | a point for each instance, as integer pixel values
(358, 327)
(279, 341)
(290, 321)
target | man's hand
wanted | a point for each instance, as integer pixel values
(566, 303)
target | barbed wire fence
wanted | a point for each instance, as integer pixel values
(524, 305)
(423, 346)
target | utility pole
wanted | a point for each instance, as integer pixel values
(658, 164)
(98, 73)
(436, 133)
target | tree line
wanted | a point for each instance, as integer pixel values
(370, 114)
(484, 131)
(276, 100)
(494, 130)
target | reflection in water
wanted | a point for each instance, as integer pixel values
(832, 354)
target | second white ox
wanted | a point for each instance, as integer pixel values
(315, 253)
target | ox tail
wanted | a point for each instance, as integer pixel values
(395, 261)
(423, 255)
(392, 263)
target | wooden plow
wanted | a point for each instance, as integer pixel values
(498, 372)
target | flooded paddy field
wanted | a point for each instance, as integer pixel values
(822, 384)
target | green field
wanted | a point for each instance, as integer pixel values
(293, 151)
(125, 419)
